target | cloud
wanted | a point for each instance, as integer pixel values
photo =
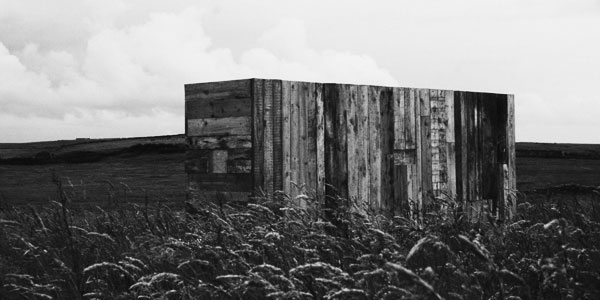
(135, 73)
(91, 62)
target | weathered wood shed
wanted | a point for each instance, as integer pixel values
(394, 149)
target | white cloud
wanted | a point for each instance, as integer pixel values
(124, 75)
(95, 62)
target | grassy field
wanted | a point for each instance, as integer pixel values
(104, 171)
(278, 251)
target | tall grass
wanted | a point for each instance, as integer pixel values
(268, 250)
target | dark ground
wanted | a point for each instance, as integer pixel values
(105, 171)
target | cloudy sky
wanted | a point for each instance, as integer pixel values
(111, 68)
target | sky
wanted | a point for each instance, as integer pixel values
(112, 68)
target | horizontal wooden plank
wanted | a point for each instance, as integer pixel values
(198, 154)
(221, 108)
(239, 161)
(234, 89)
(222, 142)
(240, 154)
(218, 161)
(221, 182)
(198, 165)
(219, 126)
(239, 166)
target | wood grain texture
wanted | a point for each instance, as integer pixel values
(351, 137)
(302, 136)
(310, 160)
(399, 117)
(221, 142)
(218, 108)
(286, 109)
(258, 135)
(439, 122)
(510, 145)
(239, 166)
(330, 112)
(320, 142)
(215, 91)
(342, 140)
(295, 142)
(450, 145)
(387, 147)
(410, 127)
(426, 163)
(374, 142)
(277, 112)
(239, 160)
(268, 142)
(219, 126)
(418, 155)
(362, 146)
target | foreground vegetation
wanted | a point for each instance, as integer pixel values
(272, 251)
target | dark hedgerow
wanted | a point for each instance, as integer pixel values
(270, 250)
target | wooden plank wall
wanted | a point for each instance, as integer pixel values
(399, 150)
(484, 152)
(218, 122)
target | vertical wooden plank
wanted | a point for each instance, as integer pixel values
(331, 115)
(374, 148)
(399, 135)
(277, 137)
(362, 146)
(478, 143)
(320, 141)
(426, 177)
(387, 147)
(411, 189)
(294, 139)
(268, 137)
(425, 106)
(343, 95)
(461, 147)
(352, 139)
(398, 188)
(301, 136)
(286, 87)
(471, 159)
(419, 159)
(510, 145)
(439, 121)
(311, 139)
(410, 136)
(257, 134)
(426, 163)
(450, 146)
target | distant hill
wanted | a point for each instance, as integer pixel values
(87, 150)
(67, 148)
(556, 150)
(539, 165)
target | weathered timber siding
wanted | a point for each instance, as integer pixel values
(399, 150)
(219, 131)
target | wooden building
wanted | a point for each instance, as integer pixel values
(392, 149)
